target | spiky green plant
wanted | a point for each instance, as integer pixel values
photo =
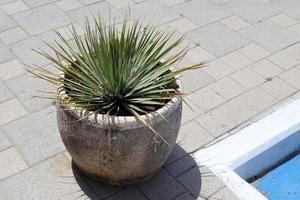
(116, 73)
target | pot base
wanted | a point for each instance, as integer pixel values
(122, 183)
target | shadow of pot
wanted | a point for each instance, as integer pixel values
(181, 184)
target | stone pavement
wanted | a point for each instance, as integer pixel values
(254, 53)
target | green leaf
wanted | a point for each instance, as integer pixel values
(115, 72)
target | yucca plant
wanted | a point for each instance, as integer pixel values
(116, 73)
(108, 73)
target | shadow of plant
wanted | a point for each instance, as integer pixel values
(179, 179)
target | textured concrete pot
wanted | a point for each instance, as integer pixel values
(119, 151)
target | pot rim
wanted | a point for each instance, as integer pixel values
(127, 122)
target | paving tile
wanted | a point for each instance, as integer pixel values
(235, 23)
(189, 110)
(200, 182)
(218, 69)
(221, 42)
(283, 60)
(266, 1)
(183, 25)
(11, 69)
(293, 51)
(91, 189)
(67, 5)
(128, 194)
(237, 110)
(188, 196)
(158, 14)
(177, 153)
(289, 7)
(176, 35)
(216, 122)
(292, 77)
(254, 52)
(36, 136)
(227, 88)
(206, 99)
(139, 1)
(5, 54)
(49, 180)
(88, 2)
(26, 88)
(185, 196)
(194, 80)
(201, 12)
(2, 2)
(6, 21)
(120, 3)
(258, 99)
(172, 2)
(101, 190)
(4, 142)
(184, 62)
(35, 3)
(278, 88)
(13, 35)
(11, 110)
(283, 20)
(192, 136)
(236, 60)
(219, 2)
(163, 186)
(66, 31)
(295, 29)
(199, 54)
(11, 163)
(23, 49)
(5, 94)
(225, 194)
(269, 35)
(41, 19)
(180, 166)
(247, 78)
(266, 69)
(14, 7)
(80, 15)
(251, 11)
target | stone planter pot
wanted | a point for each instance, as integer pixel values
(121, 150)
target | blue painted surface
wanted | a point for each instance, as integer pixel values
(282, 183)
